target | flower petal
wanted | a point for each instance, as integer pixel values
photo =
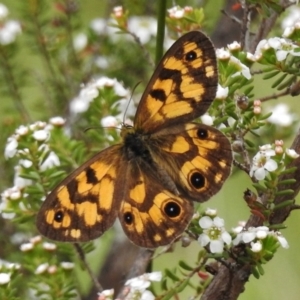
(270, 165)
(203, 239)
(219, 222)
(226, 237)
(205, 222)
(260, 174)
(216, 246)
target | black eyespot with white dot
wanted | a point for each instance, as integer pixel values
(190, 56)
(172, 209)
(202, 133)
(59, 216)
(197, 180)
(128, 218)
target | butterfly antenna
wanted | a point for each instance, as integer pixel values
(102, 127)
(126, 109)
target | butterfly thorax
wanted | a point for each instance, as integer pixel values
(135, 144)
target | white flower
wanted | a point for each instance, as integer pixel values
(91, 91)
(251, 57)
(106, 294)
(41, 268)
(49, 246)
(238, 229)
(222, 93)
(26, 163)
(251, 234)
(9, 265)
(143, 27)
(283, 47)
(109, 121)
(52, 269)
(243, 69)
(19, 181)
(98, 25)
(261, 232)
(3, 11)
(288, 31)
(4, 278)
(101, 62)
(223, 54)
(118, 10)
(256, 247)
(36, 239)
(283, 242)
(213, 234)
(37, 125)
(176, 12)
(147, 295)
(281, 115)
(154, 276)
(26, 247)
(57, 121)
(207, 119)
(138, 286)
(234, 46)
(41, 135)
(262, 46)
(292, 16)
(262, 163)
(51, 161)
(8, 32)
(22, 130)
(67, 265)
(80, 42)
(13, 193)
(11, 147)
(291, 153)
(245, 237)
(211, 212)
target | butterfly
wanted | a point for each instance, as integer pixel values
(163, 163)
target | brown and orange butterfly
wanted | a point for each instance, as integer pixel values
(164, 162)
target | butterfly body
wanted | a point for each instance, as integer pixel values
(163, 163)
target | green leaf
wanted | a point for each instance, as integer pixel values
(287, 83)
(185, 266)
(283, 204)
(285, 192)
(259, 187)
(171, 275)
(182, 286)
(278, 81)
(287, 181)
(271, 75)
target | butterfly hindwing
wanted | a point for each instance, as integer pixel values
(82, 207)
(183, 85)
(198, 158)
(151, 215)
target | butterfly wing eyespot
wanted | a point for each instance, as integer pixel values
(83, 205)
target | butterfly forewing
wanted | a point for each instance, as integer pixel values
(182, 87)
(82, 206)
